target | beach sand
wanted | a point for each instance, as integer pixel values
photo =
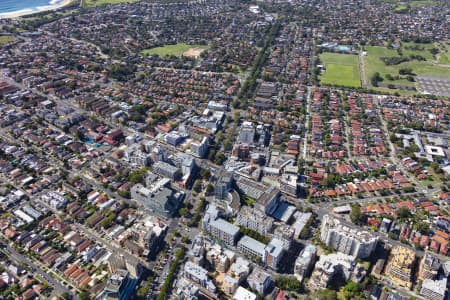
(25, 12)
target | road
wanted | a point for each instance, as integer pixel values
(347, 139)
(308, 116)
(362, 69)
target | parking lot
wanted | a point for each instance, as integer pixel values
(434, 85)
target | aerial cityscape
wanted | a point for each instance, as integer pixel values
(225, 149)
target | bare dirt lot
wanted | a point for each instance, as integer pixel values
(193, 52)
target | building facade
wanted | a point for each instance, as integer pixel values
(255, 220)
(399, 267)
(344, 239)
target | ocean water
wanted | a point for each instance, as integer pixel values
(14, 6)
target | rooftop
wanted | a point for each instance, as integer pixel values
(253, 244)
(437, 286)
(225, 226)
(243, 294)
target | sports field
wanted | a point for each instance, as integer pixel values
(340, 69)
(373, 62)
(176, 50)
(6, 39)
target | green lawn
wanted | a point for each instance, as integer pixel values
(176, 50)
(93, 3)
(340, 69)
(4, 39)
(422, 3)
(373, 63)
(444, 58)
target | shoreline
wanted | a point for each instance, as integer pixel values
(30, 11)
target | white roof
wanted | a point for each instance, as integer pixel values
(243, 294)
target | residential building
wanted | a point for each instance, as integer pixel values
(251, 188)
(269, 201)
(167, 170)
(218, 258)
(429, 267)
(284, 233)
(223, 186)
(305, 261)
(200, 149)
(255, 220)
(274, 253)
(186, 290)
(252, 248)
(260, 281)
(247, 133)
(158, 195)
(229, 284)
(118, 287)
(214, 105)
(399, 266)
(240, 269)
(434, 289)
(335, 264)
(243, 294)
(173, 138)
(136, 157)
(241, 151)
(54, 199)
(221, 230)
(187, 165)
(144, 236)
(301, 219)
(198, 275)
(344, 239)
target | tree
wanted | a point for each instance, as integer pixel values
(289, 283)
(83, 296)
(205, 174)
(65, 295)
(376, 77)
(209, 189)
(325, 294)
(183, 211)
(350, 291)
(137, 176)
(403, 212)
(355, 215)
(422, 227)
(143, 291)
(220, 158)
(197, 186)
